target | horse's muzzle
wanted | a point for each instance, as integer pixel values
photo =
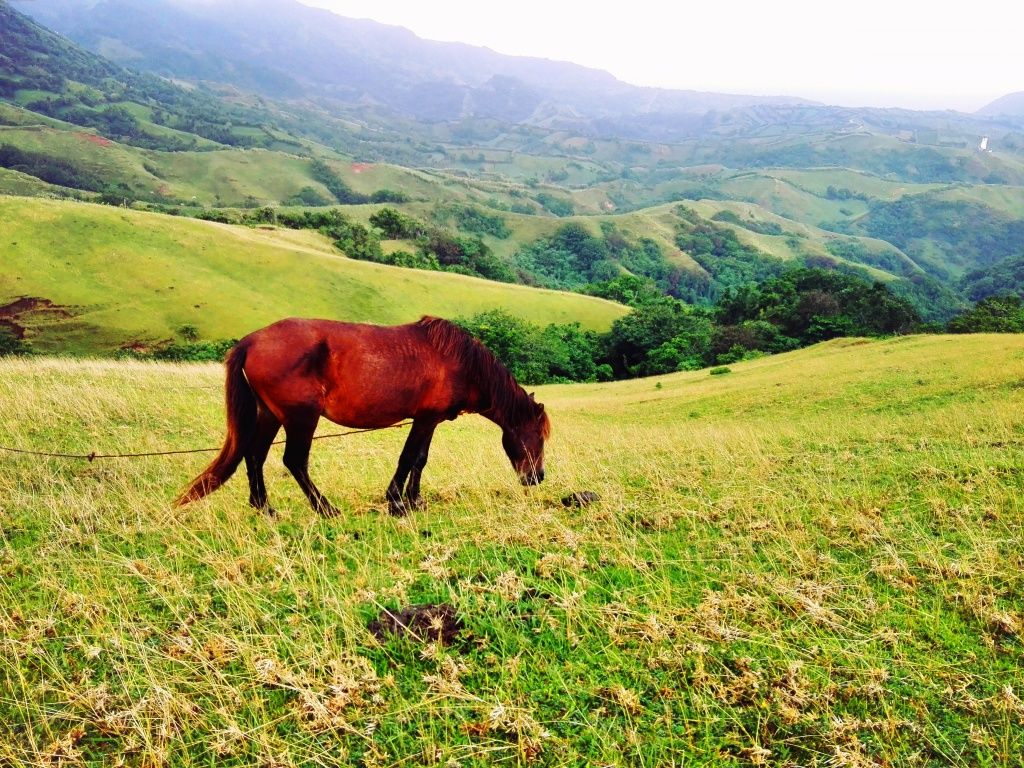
(532, 478)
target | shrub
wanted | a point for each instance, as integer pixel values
(538, 356)
(389, 196)
(395, 225)
(469, 218)
(308, 196)
(996, 314)
(194, 352)
(11, 345)
(337, 186)
(556, 205)
(189, 332)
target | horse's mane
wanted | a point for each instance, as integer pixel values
(505, 395)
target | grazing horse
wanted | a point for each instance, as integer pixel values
(366, 376)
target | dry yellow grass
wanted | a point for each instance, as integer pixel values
(813, 560)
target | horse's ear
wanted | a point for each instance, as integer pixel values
(540, 408)
(531, 396)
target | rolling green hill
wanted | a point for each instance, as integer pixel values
(113, 277)
(815, 558)
(88, 162)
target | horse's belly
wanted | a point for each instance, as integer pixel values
(371, 401)
(364, 414)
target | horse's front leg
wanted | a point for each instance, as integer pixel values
(412, 489)
(410, 465)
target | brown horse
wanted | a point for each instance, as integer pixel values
(366, 376)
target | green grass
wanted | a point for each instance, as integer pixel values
(795, 199)
(779, 192)
(86, 151)
(1004, 199)
(228, 177)
(814, 560)
(221, 177)
(818, 180)
(22, 184)
(210, 176)
(125, 276)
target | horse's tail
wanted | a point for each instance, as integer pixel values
(241, 413)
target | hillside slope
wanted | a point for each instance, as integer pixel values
(814, 559)
(106, 277)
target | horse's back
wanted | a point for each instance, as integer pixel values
(355, 373)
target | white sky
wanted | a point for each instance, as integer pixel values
(907, 53)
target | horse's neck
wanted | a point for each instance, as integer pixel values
(496, 405)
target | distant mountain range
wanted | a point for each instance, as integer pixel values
(1010, 104)
(284, 49)
(378, 73)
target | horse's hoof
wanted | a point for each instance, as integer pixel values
(264, 509)
(328, 510)
(417, 503)
(397, 508)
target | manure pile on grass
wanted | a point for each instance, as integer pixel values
(815, 560)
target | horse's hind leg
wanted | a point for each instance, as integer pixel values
(299, 431)
(267, 427)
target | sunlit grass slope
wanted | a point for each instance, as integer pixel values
(815, 559)
(125, 276)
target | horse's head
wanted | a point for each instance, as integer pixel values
(524, 444)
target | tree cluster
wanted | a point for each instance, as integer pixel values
(971, 233)
(995, 314)
(573, 258)
(1004, 277)
(439, 248)
(663, 334)
(470, 218)
(726, 261)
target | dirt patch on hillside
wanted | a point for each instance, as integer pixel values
(92, 138)
(360, 167)
(13, 315)
(136, 347)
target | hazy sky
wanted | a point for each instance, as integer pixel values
(922, 55)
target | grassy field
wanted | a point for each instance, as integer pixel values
(122, 277)
(24, 185)
(815, 559)
(214, 174)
